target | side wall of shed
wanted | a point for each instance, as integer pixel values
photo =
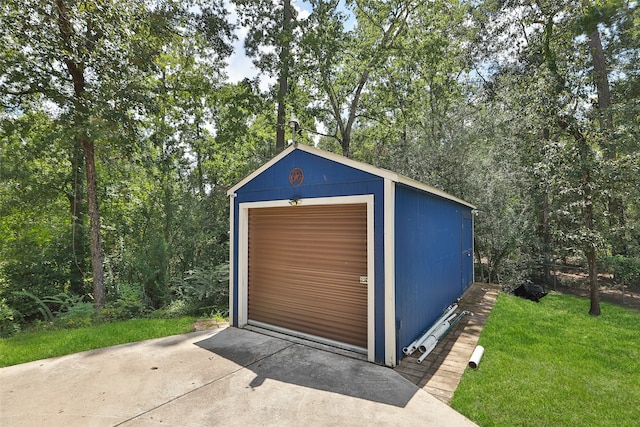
(430, 259)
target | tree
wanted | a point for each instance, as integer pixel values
(271, 41)
(339, 62)
(560, 53)
(35, 240)
(86, 64)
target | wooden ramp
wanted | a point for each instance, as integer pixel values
(440, 373)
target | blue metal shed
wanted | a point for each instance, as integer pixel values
(341, 252)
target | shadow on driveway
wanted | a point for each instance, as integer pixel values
(288, 362)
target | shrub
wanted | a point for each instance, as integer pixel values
(62, 310)
(205, 291)
(175, 309)
(77, 315)
(9, 320)
(626, 271)
(129, 303)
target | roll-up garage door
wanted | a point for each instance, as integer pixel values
(305, 267)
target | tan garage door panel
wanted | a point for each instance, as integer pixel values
(305, 264)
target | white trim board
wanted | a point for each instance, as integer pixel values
(231, 257)
(390, 357)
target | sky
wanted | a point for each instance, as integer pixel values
(239, 65)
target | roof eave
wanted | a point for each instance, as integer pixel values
(382, 173)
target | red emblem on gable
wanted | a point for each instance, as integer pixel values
(296, 176)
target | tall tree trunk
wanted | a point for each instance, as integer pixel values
(594, 308)
(601, 80)
(283, 88)
(587, 182)
(99, 297)
(199, 160)
(346, 144)
(76, 72)
(546, 232)
(585, 154)
(546, 237)
(77, 221)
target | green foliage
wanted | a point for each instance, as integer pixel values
(77, 315)
(39, 252)
(490, 101)
(126, 302)
(62, 310)
(43, 308)
(134, 79)
(9, 320)
(206, 291)
(176, 308)
(626, 270)
(551, 364)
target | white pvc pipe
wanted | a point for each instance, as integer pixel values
(440, 330)
(476, 356)
(430, 343)
(436, 324)
(416, 343)
(434, 339)
(428, 352)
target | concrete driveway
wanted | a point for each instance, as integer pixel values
(228, 377)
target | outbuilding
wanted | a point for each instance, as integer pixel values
(344, 253)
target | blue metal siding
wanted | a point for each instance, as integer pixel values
(322, 178)
(428, 242)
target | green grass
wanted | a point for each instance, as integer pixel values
(551, 364)
(29, 346)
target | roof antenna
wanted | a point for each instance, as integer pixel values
(294, 125)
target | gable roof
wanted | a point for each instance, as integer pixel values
(382, 173)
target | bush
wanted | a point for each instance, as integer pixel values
(626, 271)
(9, 320)
(205, 291)
(129, 303)
(62, 310)
(175, 309)
(78, 315)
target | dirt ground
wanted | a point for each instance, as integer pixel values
(631, 297)
(577, 284)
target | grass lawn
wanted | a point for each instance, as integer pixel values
(26, 346)
(551, 364)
